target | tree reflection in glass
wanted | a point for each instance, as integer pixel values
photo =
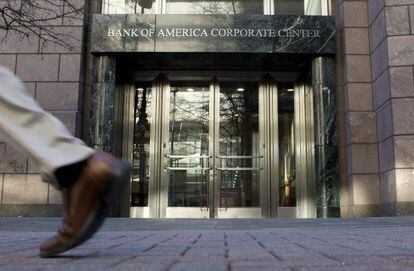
(239, 136)
(141, 147)
(128, 7)
(188, 143)
(214, 7)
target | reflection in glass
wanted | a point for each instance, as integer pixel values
(290, 7)
(214, 7)
(314, 7)
(188, 144)
(239, 136)
(141, 149)
(287, 169)
(128, 7)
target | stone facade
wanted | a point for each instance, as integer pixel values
(375, 69)
(52, 74)
(392, 50)
(375, 86)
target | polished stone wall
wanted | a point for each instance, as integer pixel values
(325, 137)
(52, 76)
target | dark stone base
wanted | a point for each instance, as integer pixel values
(327, 212)
(30, 210)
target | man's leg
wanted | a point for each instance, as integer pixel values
(90, 180)
(35, 131)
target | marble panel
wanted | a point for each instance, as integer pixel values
(404, 151)
(66, 39)
(356, 41)
(12, 160)
(325, 111)
(31, 67)
(382, 89)
(1, 188)
(378, 30)
(388, 193)
(398, 22)
(103, 103)
(400, 50)
(403, 115)
(355, 13)
(402, 82)
(379, 59)
(358, 68)
(366, 189)
(326, 176)
(24, 189)
(9, 61)
(404, 181)
(374, 7)
(412, 18)
(70, 67)
(359, 97)
(58, 96)
(213, 33)
(386, 155)
(26, 44)
(362, 127)
(398, 2)
(102, 24)
(362, 159)
(384, 122)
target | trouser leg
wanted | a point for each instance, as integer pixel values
(35, 131)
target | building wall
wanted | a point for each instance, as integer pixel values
(375, 81)
(375, 97)
(357, 118)
(52, 76)
(392, 38)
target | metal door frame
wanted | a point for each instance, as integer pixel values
(269, 148)
(213, 210)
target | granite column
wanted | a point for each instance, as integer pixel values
(325, 137)
(103, 103)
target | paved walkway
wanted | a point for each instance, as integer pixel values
(172, 245)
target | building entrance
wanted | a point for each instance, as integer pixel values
(219, 147)
(213, 151)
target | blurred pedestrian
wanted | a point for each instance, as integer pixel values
(89, 180)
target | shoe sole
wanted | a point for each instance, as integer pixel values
(115, 184)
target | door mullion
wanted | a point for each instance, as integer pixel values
(274, 149)
(214, 118)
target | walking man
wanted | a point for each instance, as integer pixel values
(89, 180)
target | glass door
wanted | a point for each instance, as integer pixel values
(238, 153)
(222, 148)
(211, 154)
(187, 150)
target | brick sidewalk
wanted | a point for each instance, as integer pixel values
(344, 245)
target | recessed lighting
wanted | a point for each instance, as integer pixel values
(140, 89)
(190, 89)
(290, 89)
(240, 89)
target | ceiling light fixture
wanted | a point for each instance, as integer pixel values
(190, 89)
(290, 89)
(240, 89)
